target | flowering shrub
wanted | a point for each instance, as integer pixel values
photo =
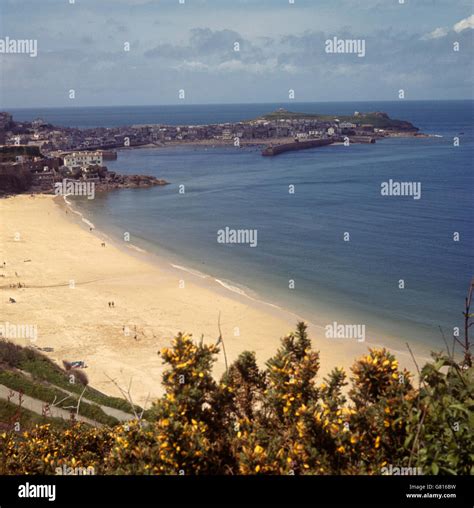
(280, 420)
(44, 449)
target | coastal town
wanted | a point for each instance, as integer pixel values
(35, 155)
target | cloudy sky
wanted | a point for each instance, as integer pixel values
(191, 47)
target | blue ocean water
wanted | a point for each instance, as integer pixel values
(301, 235)
(428, 114)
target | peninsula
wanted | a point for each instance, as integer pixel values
(35, 155)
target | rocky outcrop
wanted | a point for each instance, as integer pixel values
(14, 180)
(129, 182)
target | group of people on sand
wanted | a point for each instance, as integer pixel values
(111, 304)
(18, 285)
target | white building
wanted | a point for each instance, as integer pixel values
(347, 125)
(82, 159)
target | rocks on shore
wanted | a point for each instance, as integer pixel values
(129, 182)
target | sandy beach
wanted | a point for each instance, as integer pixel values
(70, 278)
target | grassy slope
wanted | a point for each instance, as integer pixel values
(48, 381)
(43, 369)
(377, 121)
(11, 414)
(19, 382)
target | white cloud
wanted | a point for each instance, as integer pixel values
(436, 34)
(192, 66)
(230, 66)
(442, 31)
(254, 68)
(464, 24)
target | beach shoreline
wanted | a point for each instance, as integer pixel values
(153, 297)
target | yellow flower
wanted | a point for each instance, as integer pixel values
(257, 469)
(258, 449)
(353, 440)
(386, 423)
(377, 441)
(341, 449)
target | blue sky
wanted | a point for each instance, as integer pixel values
(190, 46)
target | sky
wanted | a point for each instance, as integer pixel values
(140, 52)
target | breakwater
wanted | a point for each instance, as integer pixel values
(297, 145)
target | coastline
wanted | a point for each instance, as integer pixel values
(254, 143)
(79, 325)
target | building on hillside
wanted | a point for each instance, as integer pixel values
(83, 159)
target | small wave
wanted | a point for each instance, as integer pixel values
(241, 292)
(234, 289)
(88, 222)
(192, 272)
(83, 219)
(134, 247)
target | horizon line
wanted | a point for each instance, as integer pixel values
(7, 108)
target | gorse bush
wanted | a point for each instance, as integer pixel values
(279, 420)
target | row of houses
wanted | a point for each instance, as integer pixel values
(52, 139)
(44, 171)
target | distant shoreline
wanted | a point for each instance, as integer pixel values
(256, 143)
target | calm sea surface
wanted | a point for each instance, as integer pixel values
(301, 235)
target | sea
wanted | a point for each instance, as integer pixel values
(330, 247)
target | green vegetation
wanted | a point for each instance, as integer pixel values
(43, 369)
(377, 119)
(10, 412)
(19, 382)
(9, 152)
(279, 420)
